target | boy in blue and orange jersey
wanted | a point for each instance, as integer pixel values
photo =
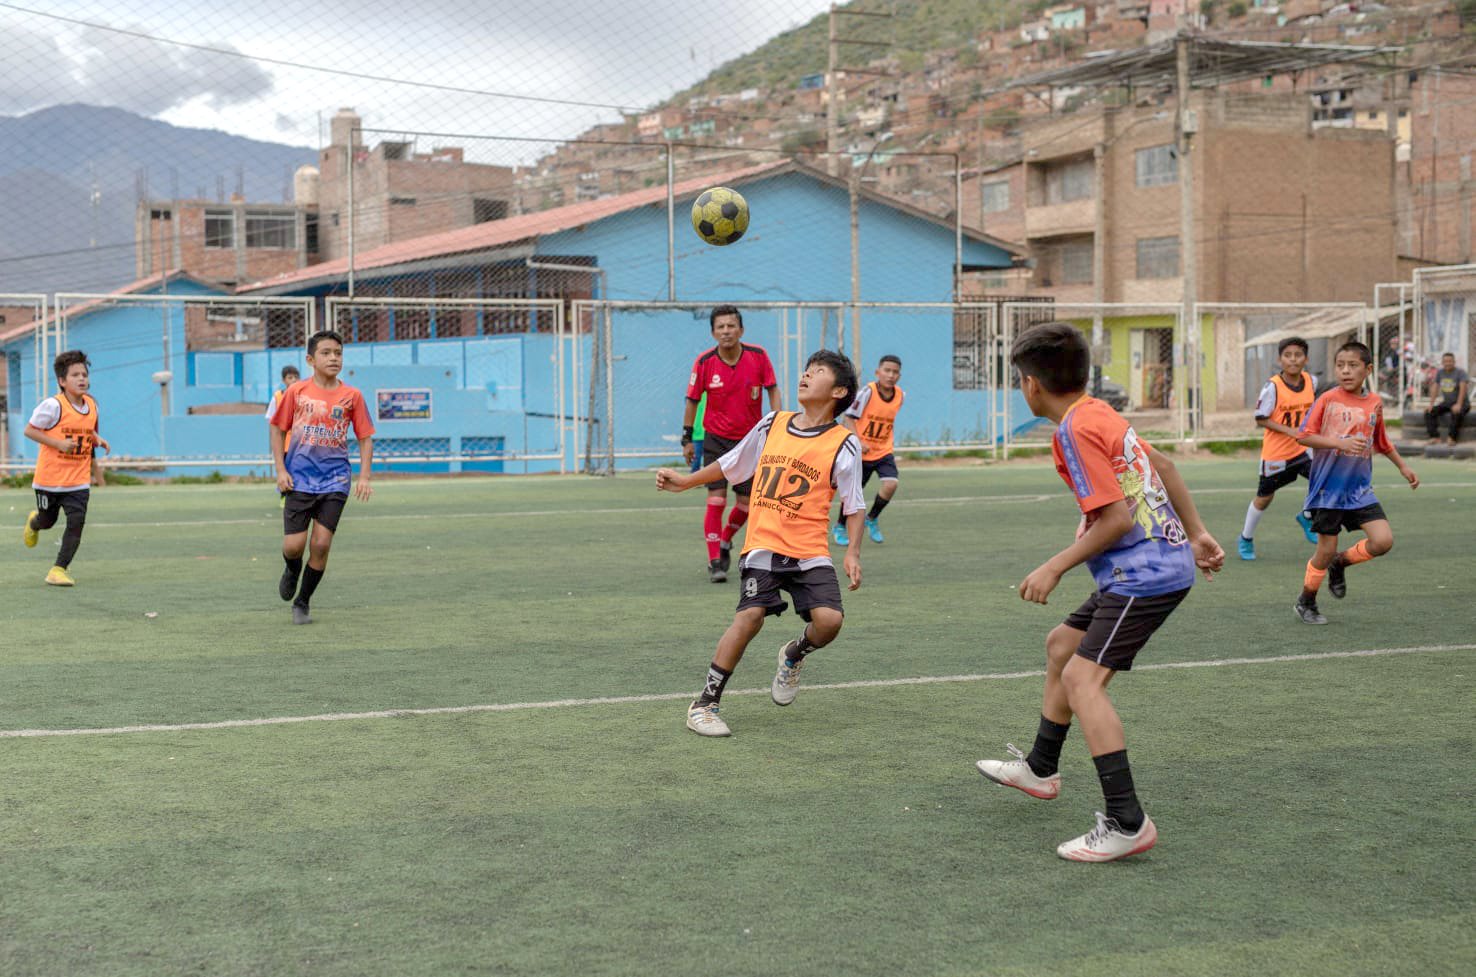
(315, 471)
(1344, 428)
(1284, 402)
(803, 460)
(1142, 537)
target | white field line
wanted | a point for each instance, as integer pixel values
(639, 510)
(332, 717)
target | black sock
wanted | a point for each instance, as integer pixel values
(717, 678)
(1045, 755)
(802, 647)
(877, 505)
(71, 539)
(310, 578)
(294, 565)
(1117, 788)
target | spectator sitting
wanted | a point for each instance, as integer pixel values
(1448, 391)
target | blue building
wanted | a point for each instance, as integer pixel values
(453, 373)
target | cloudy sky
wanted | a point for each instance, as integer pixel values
(528, 68)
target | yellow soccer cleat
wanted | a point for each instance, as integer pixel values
(58, 577)
(30, 536)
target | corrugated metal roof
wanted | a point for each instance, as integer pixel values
(132, 288)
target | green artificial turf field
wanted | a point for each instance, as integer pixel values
(474, 761)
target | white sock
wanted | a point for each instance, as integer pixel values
(1252, 517)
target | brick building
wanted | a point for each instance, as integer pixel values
(228, 242)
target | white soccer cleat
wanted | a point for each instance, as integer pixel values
(705, 721)
(786, 678)
(1108, 841)
(1016, 773)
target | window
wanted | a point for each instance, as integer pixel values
(271, 230)
(1076, 263)
(484, 210)
(402, 201)
(220, 229)
(310, 233)
(1069, 181)
(1158, 257)
(995, 197)
(1157, 166)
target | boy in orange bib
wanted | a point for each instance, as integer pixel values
(799, 461)
(65, 426)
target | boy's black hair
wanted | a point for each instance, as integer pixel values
(889, 358)
(1364, 353)
(1291, 341)
(845, 376)
(1056, 354)
(321, 335)
(65, 361)
(289, 368)
(718, 310)
(1447, 353)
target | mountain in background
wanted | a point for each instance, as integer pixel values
(54, 237)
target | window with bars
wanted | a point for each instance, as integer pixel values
(1065, 182)
(1157, 166)
(995, 196)
(1158, 257)
(1076, 263)
(271, 231)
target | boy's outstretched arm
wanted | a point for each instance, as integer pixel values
(1409, 476)
(1208, 554)
(668, 480)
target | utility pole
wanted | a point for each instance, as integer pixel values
(832, 90)
(1187, 126)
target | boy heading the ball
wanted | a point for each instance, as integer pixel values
(314, 472)
(1344, 428)
(873, 417)
(65, 426)
(733, 375)
(803, 460)
(1142, 537)
(1284, 402)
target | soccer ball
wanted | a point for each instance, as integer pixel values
(720, 215)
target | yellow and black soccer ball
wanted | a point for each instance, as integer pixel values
(720, 215)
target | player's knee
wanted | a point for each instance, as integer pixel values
(1378, 546)
(825, 624)
(1061, 644)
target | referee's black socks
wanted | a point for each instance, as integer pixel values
(1117, 788)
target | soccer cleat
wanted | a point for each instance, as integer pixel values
(786, 678)
(839, 534)
(1306, 525)
(1247, 548)
(873, 531)
(1308, 612)
(300, 614)
(715, 571)
(29, 536)
(287, 586)
(1108, 841)
(1337, 579)
(59, 577)
(1016, 773)
(725, 555)
(705, 721)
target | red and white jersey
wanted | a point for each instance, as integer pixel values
(735, 394)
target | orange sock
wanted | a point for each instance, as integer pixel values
(1357, 553)
(1312, 581)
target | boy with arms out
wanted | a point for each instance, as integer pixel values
(314, 472)
(873, 417)
(1345, 427)
(1284, 401)
(1141, 536)
(65, 426)
(803, 460)
(732, 374)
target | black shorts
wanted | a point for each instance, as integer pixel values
(1117, 626)
(50, 505)
(1330, 522)
(816, 587)
(885, 466)
(713, 448)
(304, 507)
(1295, 469)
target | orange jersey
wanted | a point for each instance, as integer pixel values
(796, 474)
(57, 472)
(875, 418)
(1287, 407)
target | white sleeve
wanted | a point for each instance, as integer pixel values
(854, 411)
(46, 415)
(1266, 403)
(1312, 378)
(742, 460)
(847, 473)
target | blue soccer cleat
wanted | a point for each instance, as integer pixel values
(839, 534)
(874, 532)
(1247, 548)
(1306, 525)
